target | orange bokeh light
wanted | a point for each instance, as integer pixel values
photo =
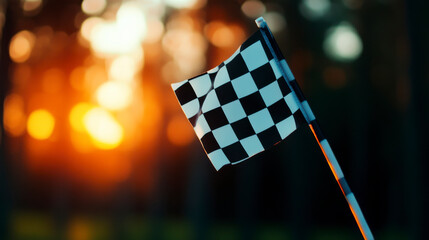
(224, 35)
(31, 5)
(104, 109)
(156, 29)
(94, 76)
(77, 78)
(13, 115)
(21, 46)
(77, 114)
(88, 25)
(123, 68)
(92, 7)
(114, 95)
(103, 128)
(219, 34)
(40, 124)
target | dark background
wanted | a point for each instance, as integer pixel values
(374, 111)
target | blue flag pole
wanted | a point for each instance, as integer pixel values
(315, 128)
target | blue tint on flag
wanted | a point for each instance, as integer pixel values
(241, 107)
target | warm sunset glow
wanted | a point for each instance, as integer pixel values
(31, 5)
(40, 124)
(21, 46)
(184, 42)
(88, 25)
(81, 142)
(105, 39)
(77, 78)
(138, 56)
(102, 84)
(186, 46)
(219, 34)
(94, 76)
(13, 115)
(103, 128)
(120, 36)
(114, 95)
(155, 29)
(123, 68)
(77, 114)
(179, 131)
(181, 3)
(92, 7)
(53, 80)
(131, 21)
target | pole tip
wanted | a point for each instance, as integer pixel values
(260, 22)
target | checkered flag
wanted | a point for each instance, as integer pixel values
(241, 107)
(249, 103)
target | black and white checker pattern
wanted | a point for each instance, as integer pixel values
(241, 107)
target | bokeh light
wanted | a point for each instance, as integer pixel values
(93, 134)
(314, 9)
(342, 43)
(219, 34)
(181, 3)
(94, 76)
(103, 128)
(105, 38)
(31, 5)
(131, 21)
(13, 115)
(275, 20)
(114, 95)
(77, 114)
(253, 8)
(123, 68)
(81, 142)
(155, 29)
(77, 78)
(21, 46)
(88, 25)
(120, 36)
(186, 46)
(40, 124)
(93, 7)
(117, 39)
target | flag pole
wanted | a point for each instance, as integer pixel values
(316, 130)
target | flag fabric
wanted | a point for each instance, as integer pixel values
(241, 107)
